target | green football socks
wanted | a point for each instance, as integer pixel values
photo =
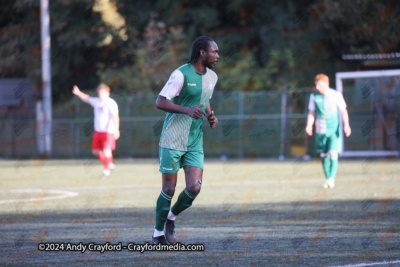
(326, 164)
(334, 167)
(330, 165)
(184, 201)
(163, 205)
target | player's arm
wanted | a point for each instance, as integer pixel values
(346, 124)
(210, 116)
(310, 116)
(345, 115)
(171, 90)
(84, 97)
(310, 122)
(167, 105)
(115, 117)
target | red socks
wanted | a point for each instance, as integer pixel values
(105, 160)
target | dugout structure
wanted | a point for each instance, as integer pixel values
(373, 103)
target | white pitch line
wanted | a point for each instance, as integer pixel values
(369, 264)
(60, 195)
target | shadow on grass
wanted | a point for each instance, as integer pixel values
(307, 233)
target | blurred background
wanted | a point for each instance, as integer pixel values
(270, 52)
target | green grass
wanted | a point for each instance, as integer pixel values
(260, 213)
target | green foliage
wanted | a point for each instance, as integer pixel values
(263, 44)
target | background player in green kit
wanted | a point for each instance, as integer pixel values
(185, 98)
(323, 109)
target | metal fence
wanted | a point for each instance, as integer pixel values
(251, 124)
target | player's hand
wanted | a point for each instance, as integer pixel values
(196, 112)
(75, 90)
(347, 130)
(117, 134)
(309, 130)
(212, 120)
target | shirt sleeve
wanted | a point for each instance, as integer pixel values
(216, 80)
(92, 101)
(340, 101)
(113, 107)
(311, 104)
(174, 85)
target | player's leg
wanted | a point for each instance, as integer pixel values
(95, 152)
(333, 155)
(169, 167)
(192, 163)
(163, 205)
(109, 146)
(193, 177)
(321, 142)
(105, 156)
(334, 159)
(97, 149)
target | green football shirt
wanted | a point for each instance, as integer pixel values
(186, 87)
(326, 110)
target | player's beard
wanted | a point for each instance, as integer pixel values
(210, 64)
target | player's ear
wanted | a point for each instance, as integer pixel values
(203, 53)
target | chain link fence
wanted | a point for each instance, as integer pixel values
(251, 124)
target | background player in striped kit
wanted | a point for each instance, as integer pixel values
(323, 109)
(185, 98)
(106, 125)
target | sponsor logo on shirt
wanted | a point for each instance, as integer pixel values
(191, 84)
(318, 100)
(170, 80)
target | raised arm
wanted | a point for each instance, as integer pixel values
(84, 97)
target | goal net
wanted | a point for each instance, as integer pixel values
(373, 103)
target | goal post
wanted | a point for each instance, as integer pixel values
(373, 103)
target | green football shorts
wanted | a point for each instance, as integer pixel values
(327, 142)
(172, 160)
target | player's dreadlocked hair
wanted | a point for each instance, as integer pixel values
(200, 43)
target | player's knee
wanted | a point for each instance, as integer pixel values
(333, 155)
(194, 189)
(107, 152)
(169, 190)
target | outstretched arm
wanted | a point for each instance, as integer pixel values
(346, 124)
(167, 105)
(84, 97)
(310, 122)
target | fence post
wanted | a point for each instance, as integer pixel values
(241, 114)
(77, 141)
(129, 124)
(283, 122)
